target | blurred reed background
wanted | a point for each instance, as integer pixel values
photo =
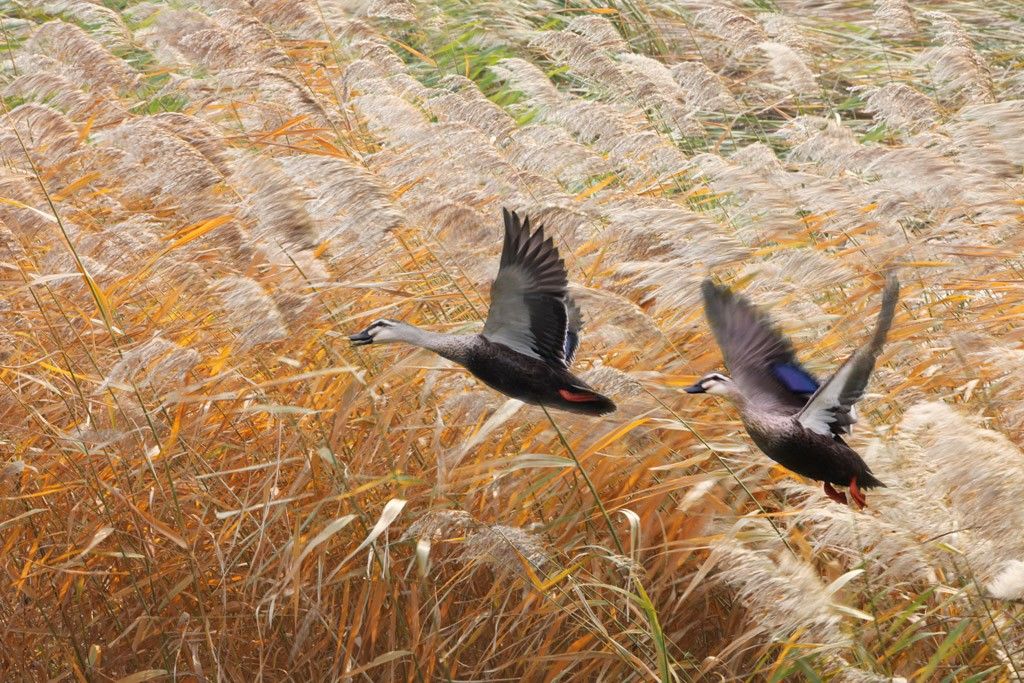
(200, 480)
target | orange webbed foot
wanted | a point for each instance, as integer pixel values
(857, 494)
(837, 496)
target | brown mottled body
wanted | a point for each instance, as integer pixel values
(815, 456)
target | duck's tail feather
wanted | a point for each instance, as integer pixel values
(866, 480)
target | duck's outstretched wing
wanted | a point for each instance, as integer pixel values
(528, 298)
(830, 410)
(760, 358)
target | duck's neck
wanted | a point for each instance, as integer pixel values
(733, 395)
(454, 347)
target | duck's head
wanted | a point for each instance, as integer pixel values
(379, 332)
(712, 383)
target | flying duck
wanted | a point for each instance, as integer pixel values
(531, 333)
(793, 419)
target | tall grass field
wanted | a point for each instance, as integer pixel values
(201, 480)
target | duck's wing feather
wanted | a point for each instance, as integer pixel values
(761, 359)
(831, 409)
(573, 329)
(528, 298)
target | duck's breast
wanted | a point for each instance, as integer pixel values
(773, 433)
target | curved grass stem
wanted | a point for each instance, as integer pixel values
(728, 468)
(590, 483)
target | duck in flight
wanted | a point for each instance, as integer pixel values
(796, 421)
(531, 333)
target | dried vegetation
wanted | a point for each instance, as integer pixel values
(199, 480)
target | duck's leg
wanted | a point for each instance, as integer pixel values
(857, 494)
(837, 496)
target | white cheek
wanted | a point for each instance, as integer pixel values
(716, 388)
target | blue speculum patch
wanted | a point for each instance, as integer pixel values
(795, 378)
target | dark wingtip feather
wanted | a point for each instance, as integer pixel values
(717, 296)
(534, 252)
(890, 297)
(709, 289)
(509, 247)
